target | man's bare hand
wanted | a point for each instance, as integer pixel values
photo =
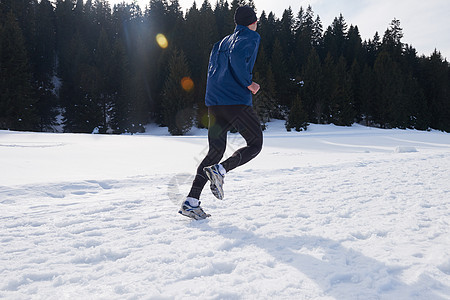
(254, 87)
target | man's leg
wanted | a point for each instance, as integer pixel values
(217, 140)
(245, 120)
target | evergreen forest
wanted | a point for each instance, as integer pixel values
(93, 67)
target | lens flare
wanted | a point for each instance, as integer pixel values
(162, 40)
(208, 120)
(187, 84)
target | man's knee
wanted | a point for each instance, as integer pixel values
(256, 144)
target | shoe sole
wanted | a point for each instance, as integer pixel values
(193, 215)
(197, 213)
(214, 189)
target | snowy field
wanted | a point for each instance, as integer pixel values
(330, 213)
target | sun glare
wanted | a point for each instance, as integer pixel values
(187, 84)
(162, 40)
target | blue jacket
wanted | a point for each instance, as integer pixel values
(230, 68)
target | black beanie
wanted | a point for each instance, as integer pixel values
(245, 16)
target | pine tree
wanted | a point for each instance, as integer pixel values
(304, 35)
(268, 30)
(389, 101)
(206, 37)
(264, 101)
(373, 48)
(392, 43)
(199, 42)
(298, 118)
(65, 31)
(44, 54)
(132, 104)
(341, 104)
(177, 95)
(236, 3)
(435, 80)
(103, 92)
(317, 32)
(418, 112)
(251, 3)
(262, 62)
(81, 110)
(44, 65)
(175, 20)
(119, 81)
(328, 86)
(25, 13)
(335, 37)
(224, 19)
(312, 90)
(152, 60)
(286, 34)
(17, 103)
(280, 74)
(353, 45)
(367, 89)
(355, 82)
(83, 64)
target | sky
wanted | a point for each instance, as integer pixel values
(425, 23)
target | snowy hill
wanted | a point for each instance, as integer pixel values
(330, 213)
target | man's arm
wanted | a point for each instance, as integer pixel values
(242, 59)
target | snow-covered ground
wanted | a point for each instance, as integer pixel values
(330, 213)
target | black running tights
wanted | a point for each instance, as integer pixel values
(223, 118)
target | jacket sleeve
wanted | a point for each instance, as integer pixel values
(242, 59)
(212, 65)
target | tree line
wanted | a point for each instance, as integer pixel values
(114, 69)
